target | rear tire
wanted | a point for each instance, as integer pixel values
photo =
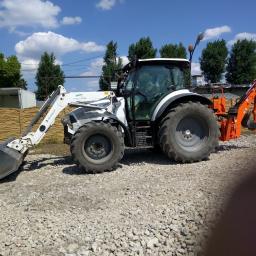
(97, 147)
(189, 133)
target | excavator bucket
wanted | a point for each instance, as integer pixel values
(10, 160)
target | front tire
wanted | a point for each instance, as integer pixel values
(189, 133)
(97, 147)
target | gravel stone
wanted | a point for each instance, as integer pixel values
(148, 206)
(152, 243)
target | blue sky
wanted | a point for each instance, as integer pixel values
(78, 30)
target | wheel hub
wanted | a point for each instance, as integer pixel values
(187, 134)
(97, 147)
(191, 132)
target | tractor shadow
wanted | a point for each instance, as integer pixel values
(224, 147)
(37, 164)
(145, 156)
(34, 165)
(140, 157)
(131, 157)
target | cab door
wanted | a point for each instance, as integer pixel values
(152, 83)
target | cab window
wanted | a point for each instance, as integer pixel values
(152, 83)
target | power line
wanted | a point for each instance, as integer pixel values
(75, 76)
(80, 67)
(96, 76)
(70, 63)
(82, 60)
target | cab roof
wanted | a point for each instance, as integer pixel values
(158, 61)
(164, 60)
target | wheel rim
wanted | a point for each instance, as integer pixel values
(191, 133)
(98, 148)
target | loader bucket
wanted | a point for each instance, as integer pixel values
(10, 160)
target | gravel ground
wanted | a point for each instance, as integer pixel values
(148, 206)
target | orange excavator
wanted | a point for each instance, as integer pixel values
(242, 114)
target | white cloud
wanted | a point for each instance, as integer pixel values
(95, 68)
(32, 64)
(33, 46)
(107, 4)
(241, 36)
(32, 14)
(92, 85)
(211, 33)
(29, 67)
(125, 60)
(92, 47)
(71, 20)
(196, 69)
(28, 13)
(30, 50)
(29, 64)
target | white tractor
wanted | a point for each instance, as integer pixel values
(152, 107)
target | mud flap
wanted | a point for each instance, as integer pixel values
(10, 160)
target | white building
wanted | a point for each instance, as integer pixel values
(198, 80)
(17, 98)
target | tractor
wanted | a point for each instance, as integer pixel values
(152, 106)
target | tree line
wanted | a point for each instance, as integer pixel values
(143, 49)
(49, 74)
(238, 65)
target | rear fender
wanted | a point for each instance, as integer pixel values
(172, 100)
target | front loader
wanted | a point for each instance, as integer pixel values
(13, 151)
(152, 107)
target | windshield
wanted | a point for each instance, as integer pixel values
(151, 83)
(161, 79)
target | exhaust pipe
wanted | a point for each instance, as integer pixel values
(10, 159)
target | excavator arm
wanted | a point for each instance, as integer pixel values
(231, 122)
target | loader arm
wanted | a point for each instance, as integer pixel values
(13, 151)
(57, 101)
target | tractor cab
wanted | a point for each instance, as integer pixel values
(148, 81)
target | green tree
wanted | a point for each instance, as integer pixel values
(213, 60)
(10, 72)
(176, 51)
(143, 49)
(241, 68)
(173, 51)
(2, 71)
(49, 76)
(111, 68)
(22, 84)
